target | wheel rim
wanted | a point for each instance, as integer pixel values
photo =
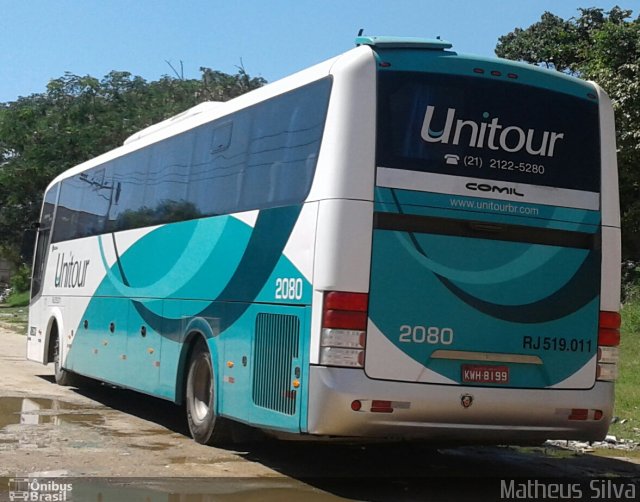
(56, 351)
(201, 390)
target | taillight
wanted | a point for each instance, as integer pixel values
(585, 414)
(609, 329)
(608, 341)
(579, 414)
(344, 324)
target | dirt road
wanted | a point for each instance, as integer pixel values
(101, 432)
(95, 431)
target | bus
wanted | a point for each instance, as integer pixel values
(400, 242)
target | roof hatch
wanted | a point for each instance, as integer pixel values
(404, 42)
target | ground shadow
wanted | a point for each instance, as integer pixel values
(414, 470)
(48, 378)
(159, 411)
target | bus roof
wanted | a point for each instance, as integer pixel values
(403, 42)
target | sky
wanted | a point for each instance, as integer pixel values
(42, 39)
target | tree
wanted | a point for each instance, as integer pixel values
(80, 117)
(605, 48)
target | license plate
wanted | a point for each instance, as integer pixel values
(477, 373)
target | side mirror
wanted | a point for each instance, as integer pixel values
(28, 243)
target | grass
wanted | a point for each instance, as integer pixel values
(14, 318)
(627, 407)
(14, 312)
(629, 454)
(17, 300)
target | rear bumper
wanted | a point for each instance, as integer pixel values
(436, 412)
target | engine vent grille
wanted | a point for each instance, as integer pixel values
(276, 346)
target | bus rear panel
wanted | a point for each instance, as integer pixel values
(485, 310)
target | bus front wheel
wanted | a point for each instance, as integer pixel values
(205, 425)
(62, 376)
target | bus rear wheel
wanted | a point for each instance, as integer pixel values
(205, 425)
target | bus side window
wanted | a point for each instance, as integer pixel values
(43, 238)
(166, 186)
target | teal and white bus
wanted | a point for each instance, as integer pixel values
(400, 242)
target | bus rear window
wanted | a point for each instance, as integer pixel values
(488, 129)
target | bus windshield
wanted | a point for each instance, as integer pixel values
(488, 129)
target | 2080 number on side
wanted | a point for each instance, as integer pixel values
(288, 288)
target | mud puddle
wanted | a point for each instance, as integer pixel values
(169, 490)
(36, 411)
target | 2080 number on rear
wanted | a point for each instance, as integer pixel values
(432, 335)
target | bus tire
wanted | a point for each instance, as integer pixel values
(205, 425)
(62, 376)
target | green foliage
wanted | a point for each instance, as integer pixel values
(80, 117)
(631, 318)
(551, 41)
(218, 86)
(18, 299)
(630, 282)
(21, 279)
(604, 47)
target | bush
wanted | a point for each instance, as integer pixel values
(630, 281)
(631, 315)
(631, 293)
(21, 280)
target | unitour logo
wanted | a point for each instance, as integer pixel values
(70, 273)
(491, 134)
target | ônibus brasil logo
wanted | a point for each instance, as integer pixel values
(492, 135)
